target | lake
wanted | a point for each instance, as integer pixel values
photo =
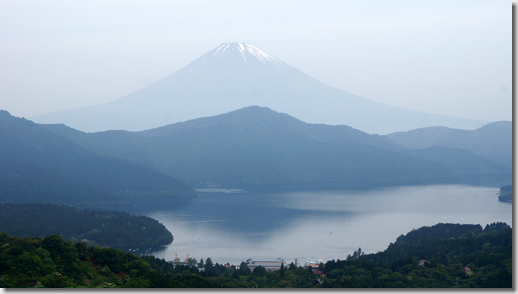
(233, 225)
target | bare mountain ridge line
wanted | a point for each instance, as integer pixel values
(236, 75)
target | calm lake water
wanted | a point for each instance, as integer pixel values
(232, 227)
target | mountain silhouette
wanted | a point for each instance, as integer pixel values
(236, 75)
(256, 147)
(493, 141)
(39, 166)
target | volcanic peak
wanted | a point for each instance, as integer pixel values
(246, 50)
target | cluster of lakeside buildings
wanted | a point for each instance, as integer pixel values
(268, 265)
(273, 265)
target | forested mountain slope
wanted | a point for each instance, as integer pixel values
(100, 227)
(258, 147)
(492, 141)
(471, 168)
(441, 256)
(40, 166)
(262, 123)
(51, 262)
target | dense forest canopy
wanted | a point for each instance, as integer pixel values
(100, 227)
(441, 256)
(506, 193)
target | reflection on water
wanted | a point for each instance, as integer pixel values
(231, 227)
(218, 190)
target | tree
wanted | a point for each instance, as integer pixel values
(321, 267)
(192, 262)
(259, 271)
(81, 250)
(504, 278)
(54, 244)
(235, 274)
(243, 269)
(292, 266)
(310, 270)
(282, 271)
(208, 265)
(356, 254)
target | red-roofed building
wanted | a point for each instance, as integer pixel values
(319, 273)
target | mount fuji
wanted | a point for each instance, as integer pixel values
(238, 75)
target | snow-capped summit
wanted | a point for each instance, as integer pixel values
(230, 54)
(247, 52)
(236, 75)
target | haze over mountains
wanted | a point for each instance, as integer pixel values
(493, 140)
(39, 166)
(237, 75)
(256, 147)
(224, 136)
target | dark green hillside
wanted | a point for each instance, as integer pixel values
(448, 243)
(39, 166)
(440, 231)
(100, 227)
(441, 256)
(492, 141)
(506, 193)
(258, 147)
(53, 263)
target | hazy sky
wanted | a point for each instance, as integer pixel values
(447, 57)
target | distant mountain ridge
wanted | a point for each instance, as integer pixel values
(492, 141)
(269, 124)
(256, 147)
(237, 75)
(39, 166)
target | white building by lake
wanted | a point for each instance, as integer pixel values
(269, 265)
